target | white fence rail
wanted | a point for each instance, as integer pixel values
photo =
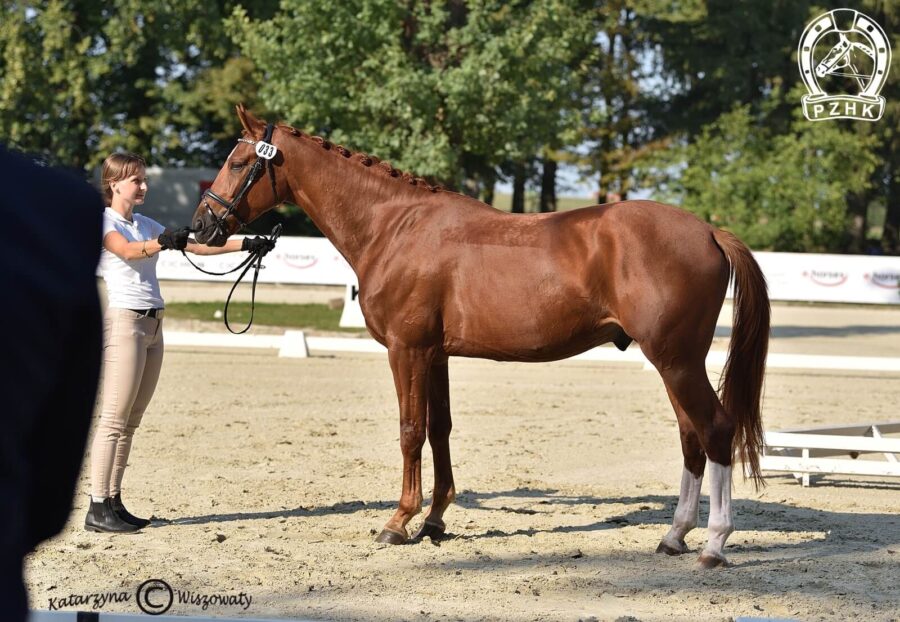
(296, 343)
(812, 451)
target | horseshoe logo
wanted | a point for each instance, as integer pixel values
(857, 56)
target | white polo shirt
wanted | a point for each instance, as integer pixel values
(131, 284)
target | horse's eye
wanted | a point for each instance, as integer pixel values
(236, 166)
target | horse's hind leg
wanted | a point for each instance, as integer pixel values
(439, 426)
(687, 513)
(715, 430)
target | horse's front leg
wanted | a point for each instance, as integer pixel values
(439, 426)
(411, 368)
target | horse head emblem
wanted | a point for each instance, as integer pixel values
(857, 56)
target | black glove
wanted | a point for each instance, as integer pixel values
(258, 245)
(174, 239)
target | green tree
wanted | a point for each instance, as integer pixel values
(782, 192)
(614, 122)
(885, 187)
(46, 79)
(80, 78)
(714, 56)
(448, 89)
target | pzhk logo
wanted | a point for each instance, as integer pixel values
(841, 52)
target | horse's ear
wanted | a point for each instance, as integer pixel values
(254, 126)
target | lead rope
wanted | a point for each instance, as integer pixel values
(254, 260)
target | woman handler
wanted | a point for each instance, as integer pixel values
(132, 330)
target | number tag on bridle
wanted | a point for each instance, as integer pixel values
(265, 150)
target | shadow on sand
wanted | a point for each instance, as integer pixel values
(844, 532)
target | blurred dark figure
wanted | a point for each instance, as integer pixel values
(50, 318)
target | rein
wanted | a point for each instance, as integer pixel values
(253, 260)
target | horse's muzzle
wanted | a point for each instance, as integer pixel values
(207, 228)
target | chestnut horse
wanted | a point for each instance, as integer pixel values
(442, 274)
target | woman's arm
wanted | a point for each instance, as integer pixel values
(118, 245)
(202, 249)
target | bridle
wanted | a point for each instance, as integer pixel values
(265, 151)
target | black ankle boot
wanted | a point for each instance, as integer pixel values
(101, 517)
(119, 508)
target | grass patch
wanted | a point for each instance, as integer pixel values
(310, 316)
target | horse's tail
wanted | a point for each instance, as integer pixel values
(741, 384)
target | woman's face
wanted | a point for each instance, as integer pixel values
(131, 189)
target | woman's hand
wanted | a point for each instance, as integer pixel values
(258, 245)
(176, 240)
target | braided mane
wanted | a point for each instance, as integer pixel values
(366, 160)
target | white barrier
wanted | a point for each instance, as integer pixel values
(812, 450)
(352, 315)
(791, 276)
(295, 343)
(816, 277)
(295, 260)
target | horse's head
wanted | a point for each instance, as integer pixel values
(240, 194)
(837, 57)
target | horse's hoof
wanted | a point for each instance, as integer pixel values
(668, 549)
(434, 531)
(390, 537)
(708, 561)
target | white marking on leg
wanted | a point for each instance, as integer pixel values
(687, 513)
(721, 524)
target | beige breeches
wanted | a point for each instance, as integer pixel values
(132, 357)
